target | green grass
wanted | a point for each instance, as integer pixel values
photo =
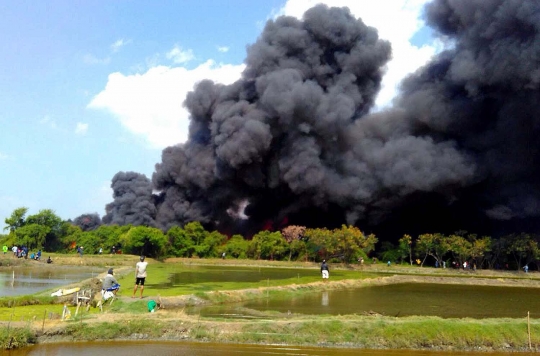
(14, 338)
(159, 275)
(355, 331)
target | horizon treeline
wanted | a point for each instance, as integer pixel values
(347, 244)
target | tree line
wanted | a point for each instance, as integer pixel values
(48, 232)
(347, 244)
(506, 252)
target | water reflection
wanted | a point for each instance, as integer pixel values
(24, 280)
(210, 349)
(447, 301)
(324, 301)
(218, 275)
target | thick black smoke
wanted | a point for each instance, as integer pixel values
(294, 138)
(133, 201)
(88, 222)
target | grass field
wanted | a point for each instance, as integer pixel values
(33, 319)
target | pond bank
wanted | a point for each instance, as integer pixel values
(125, 320)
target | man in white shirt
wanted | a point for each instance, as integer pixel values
(140, 276)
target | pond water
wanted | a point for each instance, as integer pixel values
(164, 348)
(24, 280)
(200, 278)
(444, 300)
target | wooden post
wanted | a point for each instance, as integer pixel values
(78, 306)
(529, 329)
(43, 325)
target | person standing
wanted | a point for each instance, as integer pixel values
(140, 276)
(5, 249)
(324, 270)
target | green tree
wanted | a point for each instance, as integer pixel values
(212, 245)
(32, 235)
(405, 248)
(143, 240)
(48, 218)
(237, 247)
(523, 248)
(480, 248)
(105, 236)
(389, 252)
(460, 247)
(180, 243)
(298, 250)
(196, 232)
(267, 245)
(71, 237)
(434, 245)
(319, 243)
(16, 220)
(496, 255)
(348, 241)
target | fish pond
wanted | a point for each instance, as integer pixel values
(25, 280)
(443, 300)
(402, 299)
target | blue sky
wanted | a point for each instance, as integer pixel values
(90, 88)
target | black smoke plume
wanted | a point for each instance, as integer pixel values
(293, 141)
(88, 222)
(133, 201)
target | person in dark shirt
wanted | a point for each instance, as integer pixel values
(324, 270)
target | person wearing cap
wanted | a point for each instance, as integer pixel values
(324, 270)
(110, 284)
(140, 275)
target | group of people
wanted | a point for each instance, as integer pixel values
(80, 250)
(22, 252)
(110, 285)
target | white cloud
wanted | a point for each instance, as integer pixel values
(180, 56)
(396, 20)
(48, 121)
(150, 104)
(223, 49)
(115, 47)
(93, 60)
(81, 128)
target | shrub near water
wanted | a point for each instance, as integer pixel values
(115, 330)
(13, 338)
